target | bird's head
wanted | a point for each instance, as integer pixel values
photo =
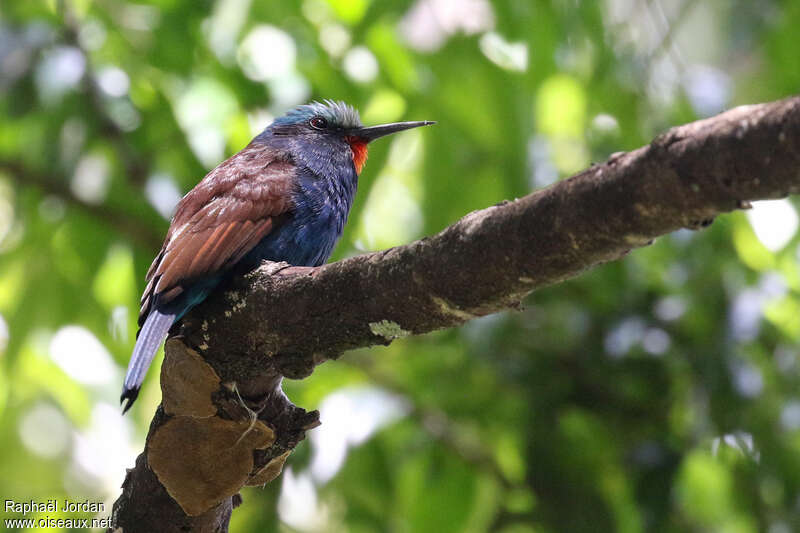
(336, 123)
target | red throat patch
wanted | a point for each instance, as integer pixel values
(359, 148)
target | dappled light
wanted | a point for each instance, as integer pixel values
(657, 392)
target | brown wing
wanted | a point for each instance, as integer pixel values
(219, 221)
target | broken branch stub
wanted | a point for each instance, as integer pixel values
(205, 443)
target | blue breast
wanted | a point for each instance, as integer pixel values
(309, 233)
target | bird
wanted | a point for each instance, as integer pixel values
(286, 197)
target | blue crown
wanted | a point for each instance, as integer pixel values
(336, 113)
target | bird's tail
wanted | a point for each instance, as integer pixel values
(153, 332)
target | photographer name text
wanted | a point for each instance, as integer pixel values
(52, 506)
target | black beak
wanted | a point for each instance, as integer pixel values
(374, 132)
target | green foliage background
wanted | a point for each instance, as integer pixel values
(657, 393)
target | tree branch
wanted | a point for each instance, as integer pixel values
(283, 321)
(133, 227)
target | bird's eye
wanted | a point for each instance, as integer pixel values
(318, 123)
